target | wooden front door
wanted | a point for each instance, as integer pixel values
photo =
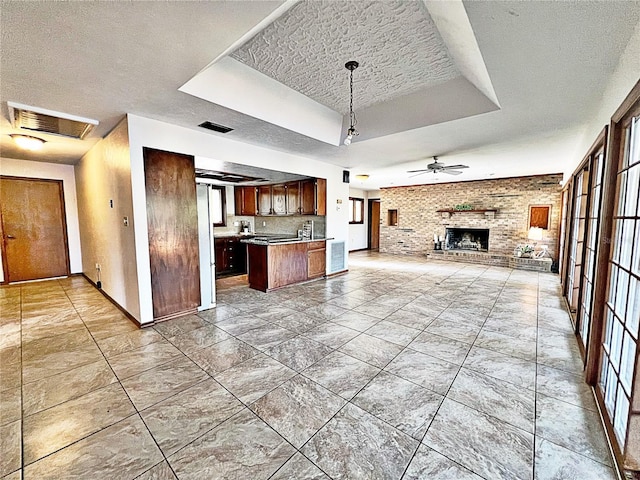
(374, 225)
(33, 228)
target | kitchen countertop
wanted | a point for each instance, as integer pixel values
(283, 240)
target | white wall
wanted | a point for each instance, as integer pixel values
(358, 238)
(144, 132)
(103, 175)
(624, 77)
(52, 171)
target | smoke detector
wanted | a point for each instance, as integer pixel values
(35, 119)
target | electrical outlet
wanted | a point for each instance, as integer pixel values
(125, 221)
(98, 266)
(236, 224)
(264, 224)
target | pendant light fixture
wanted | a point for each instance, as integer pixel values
(352, 132)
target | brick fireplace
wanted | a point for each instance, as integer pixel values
(500, 206)
(474, 239)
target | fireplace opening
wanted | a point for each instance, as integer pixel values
(475, 239)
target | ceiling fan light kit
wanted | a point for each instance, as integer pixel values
(351, 65)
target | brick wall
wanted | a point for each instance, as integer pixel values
(418, 220)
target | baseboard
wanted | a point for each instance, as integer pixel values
(335, 274)
(116, 304)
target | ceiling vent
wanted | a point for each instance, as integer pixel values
(215, 127)
(42, 120)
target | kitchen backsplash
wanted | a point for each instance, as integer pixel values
(285, 225)
(289, 225)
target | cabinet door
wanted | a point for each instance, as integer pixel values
(264, 200)
(221, 255)
(293, 197)
(240, 258)
(239, 199)
(308, 197)
(279, 199)
(316, 265)
(321, 196)
(245, 200)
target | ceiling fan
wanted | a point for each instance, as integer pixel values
(437, 167)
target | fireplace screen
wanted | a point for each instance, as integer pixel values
(476, 239)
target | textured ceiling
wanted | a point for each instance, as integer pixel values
(399, 49)
(547, 62)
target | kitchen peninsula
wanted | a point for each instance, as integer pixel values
(278, 262)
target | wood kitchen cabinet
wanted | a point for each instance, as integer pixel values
(279, 200)
(264, 200)
(245, 200)
(316, 259)
(307, 197)
(277, 265)
(231, 256)
(293, 198)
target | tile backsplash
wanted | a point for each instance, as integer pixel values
(288, 225)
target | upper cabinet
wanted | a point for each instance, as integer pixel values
(264, 200)
(307, 197)
(245, 201)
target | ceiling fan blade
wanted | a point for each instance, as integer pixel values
(454, 167)
(451, 172)
(417, 174)
(415, 171)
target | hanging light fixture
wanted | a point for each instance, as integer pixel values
(352, 132)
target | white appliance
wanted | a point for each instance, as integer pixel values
(207, 254)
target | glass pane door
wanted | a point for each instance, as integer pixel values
(622, 308)
(576, 242)
(591, 247)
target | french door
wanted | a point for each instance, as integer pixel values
(584, 315)
(619, 348)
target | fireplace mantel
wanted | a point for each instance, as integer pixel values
(489, 212)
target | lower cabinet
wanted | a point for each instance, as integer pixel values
(231, 256)
(277, 265)
(316, 259)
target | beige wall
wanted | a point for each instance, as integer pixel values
(104, 175)
(418, 220)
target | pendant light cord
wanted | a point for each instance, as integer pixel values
(352, 116)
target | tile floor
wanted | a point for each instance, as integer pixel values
(402, 368)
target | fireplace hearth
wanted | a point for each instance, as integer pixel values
(474, 239)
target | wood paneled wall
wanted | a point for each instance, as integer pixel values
(173, 232)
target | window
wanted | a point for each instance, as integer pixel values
(218, 206)
(356, 210)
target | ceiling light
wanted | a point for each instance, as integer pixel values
(28, 142)
(362, 177)
(352, 132)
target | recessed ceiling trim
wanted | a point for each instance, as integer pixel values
(36, 119)
(453, 23)
(253, 93)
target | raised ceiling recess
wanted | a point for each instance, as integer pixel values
(414, 59)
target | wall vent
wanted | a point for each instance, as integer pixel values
(215, 127)
(337, 257)
(41, 120)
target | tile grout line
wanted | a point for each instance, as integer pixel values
(445, 396)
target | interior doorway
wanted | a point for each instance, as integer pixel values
(374, 224)
(34, 230)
